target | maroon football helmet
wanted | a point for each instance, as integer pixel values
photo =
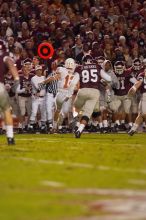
(87, 59)
(137, 64)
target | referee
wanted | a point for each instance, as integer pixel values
(51, 91)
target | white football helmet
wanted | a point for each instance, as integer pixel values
(70, 65)
(119, 67)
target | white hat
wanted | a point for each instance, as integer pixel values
(122, 37)
(38, 67)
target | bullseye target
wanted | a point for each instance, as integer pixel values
(45, 50)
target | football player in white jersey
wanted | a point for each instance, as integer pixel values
(67, 81)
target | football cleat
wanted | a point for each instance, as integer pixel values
(101, 130)
(43, 129)
(116, 128)
(10, 141)
(20, 131)
(77, 134)
(122, 127)
(131, 132)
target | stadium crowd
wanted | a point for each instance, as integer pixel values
(112, 32)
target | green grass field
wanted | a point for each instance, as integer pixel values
(58, 177)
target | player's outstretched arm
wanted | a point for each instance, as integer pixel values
(134, 88)
(50, 79)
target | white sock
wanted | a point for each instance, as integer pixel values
(112, 125)
(122, 121)
(100, 125)
(117, 122)
(135, 126)
(130, 124)
(9, 131)
(81, 127)
(105, 124)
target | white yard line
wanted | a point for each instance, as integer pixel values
(52, 183)
(80, 165)
(137, 182)
(21, 149)
(108, 192)
(52, 140)
(36, 138)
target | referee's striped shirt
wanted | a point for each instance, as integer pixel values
(52, 87)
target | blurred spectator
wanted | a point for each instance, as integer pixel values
(96, 51)
(85, 51)
(127, 57)
(118, 56)
(121, 24)
(77, 48)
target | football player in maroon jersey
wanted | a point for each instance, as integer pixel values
(24, 91)
(140, 84)
(87, 99)
(7, 64)
(122, 102)
(9, 82)
(134, 71)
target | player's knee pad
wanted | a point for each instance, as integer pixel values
(85, 118)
